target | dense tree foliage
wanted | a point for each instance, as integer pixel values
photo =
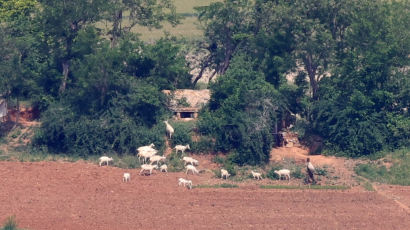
(100, 90)
(350, 60)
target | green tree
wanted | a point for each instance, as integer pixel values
(243, 110)
(224, 25)
(61, 23)
(126, 14)
(361, 105)
(20, 61)
(11, 9)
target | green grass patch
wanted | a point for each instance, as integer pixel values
(175, 164)
(319, 187)
(10, 224)
(224, 185)
(368, 186)
(398, 173)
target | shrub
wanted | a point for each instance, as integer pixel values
(227, 164)
(241, 113)
(63, 132)
(217, 173)
(297, 173)
(204, 145)
(175, 164)
(10, 224)
(321, 171)
(182, 133)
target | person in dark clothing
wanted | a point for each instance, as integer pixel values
(310, 169)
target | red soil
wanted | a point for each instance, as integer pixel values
(62, 195)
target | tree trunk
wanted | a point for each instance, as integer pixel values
(18, 111)
(311, 70)
(66, 69)
(116, 28)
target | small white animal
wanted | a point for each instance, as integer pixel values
(192, 169)
(256, 175)
(283, 172)
(163, 168)
(145, 154)
(149, 168)
(182, 181)
(181, 148)
(224, 174)
(146, 147)
(169, 129)
(190, 160)
(157, 159)
(126, 177)
(105, 159)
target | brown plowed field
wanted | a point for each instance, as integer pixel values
(62, 195)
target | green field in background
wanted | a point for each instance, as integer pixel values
(188, 27)
(187, 6)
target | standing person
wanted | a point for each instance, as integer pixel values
(310, 170)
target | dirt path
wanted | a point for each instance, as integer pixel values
(61, 195)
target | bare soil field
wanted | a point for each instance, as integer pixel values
(63, 195)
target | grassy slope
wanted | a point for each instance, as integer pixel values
(397, 173)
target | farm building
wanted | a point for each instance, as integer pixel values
(186, 103)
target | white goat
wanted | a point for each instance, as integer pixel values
(190, 160)
(146, 147)
(149, 168)
(163, 168)
(181, 148)
(157, 159)
(192, 169)
(170, 130)
(126, 177)
(182, 181)
(145, 154)
(283, 172)
(256, 175)
(224, 173)
(105, 159)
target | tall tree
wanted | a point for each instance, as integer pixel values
(62, 21)
(126, 14)
(360, 112)
(20, 62)
(224, 23)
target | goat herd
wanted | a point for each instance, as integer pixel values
(148, 154)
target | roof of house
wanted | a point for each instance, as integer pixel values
(187, 100)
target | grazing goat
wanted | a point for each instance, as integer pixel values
(181, 148)
(105, 159)
(157, 159)
(146, 147)
(182, 181)
(170, 130)
(163, 168)
(126, 177)
(146, 154)
(192, 169)
(149, 168)
(256, 175)
(224, 174)
(283, 172)
(190, 160)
